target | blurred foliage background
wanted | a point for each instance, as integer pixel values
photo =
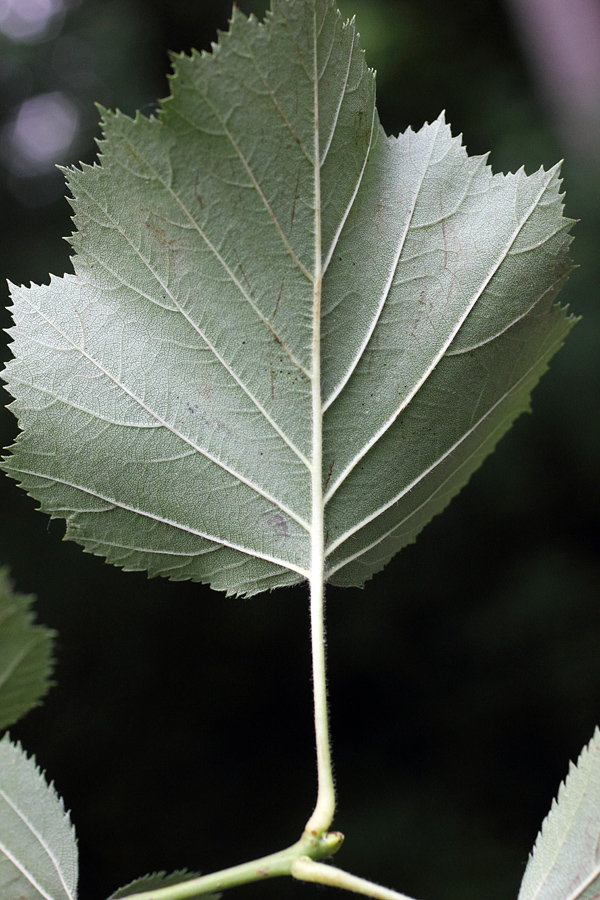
(466, 675)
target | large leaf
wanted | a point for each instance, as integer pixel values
(25, 655)
(565, 862)
(38, 853)
(266, 285)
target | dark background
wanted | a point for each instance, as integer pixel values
(465, 676)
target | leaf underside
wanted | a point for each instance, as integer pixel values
(164, 390)
(565, 861)
(38, 852)
(25, 655)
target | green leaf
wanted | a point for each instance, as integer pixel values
(565, 862)
(155, 882)
(267, 286)
(25, 655)
(38, 851)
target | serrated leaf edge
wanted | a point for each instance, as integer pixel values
(31, 760)
(552, 826)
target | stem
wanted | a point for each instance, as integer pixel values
(322, 816)
(272, 866)
(305, 869)
(259, 869)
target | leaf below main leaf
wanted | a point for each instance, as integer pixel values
(156, 881)
(565, 861)
(165, 390)
(25, 655)
(38, 852)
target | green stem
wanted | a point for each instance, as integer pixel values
(272, 866)
(320, 821)
(306, 869)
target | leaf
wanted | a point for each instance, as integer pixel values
(267, 286)
(155, 882)
(565, 862)
(25, 655)
(38, 851)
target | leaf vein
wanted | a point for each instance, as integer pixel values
(254, 180)
(21, 868)
(393, 269)
(368, 519)
(286, 564)
(344, 218)
(245, 294)
(339, 105)
(279, 109)
(549, 290)
(441, 352)
(43, 844)
(17, 659)
(169, 427)
(211, 346)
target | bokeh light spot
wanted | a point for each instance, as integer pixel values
(42, 132)
(23, 20)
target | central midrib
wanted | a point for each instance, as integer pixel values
(317, 508)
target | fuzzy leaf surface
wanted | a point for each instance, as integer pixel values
(25, 655)
(266, 285)
(565, 861)
(38, 851)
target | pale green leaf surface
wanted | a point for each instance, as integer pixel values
(165, 389)
(565, 862)
(25, 655)
(38, 851)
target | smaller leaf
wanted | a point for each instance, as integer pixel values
(25, 655)
(156, 881)
(38, 851)
(565, 862)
